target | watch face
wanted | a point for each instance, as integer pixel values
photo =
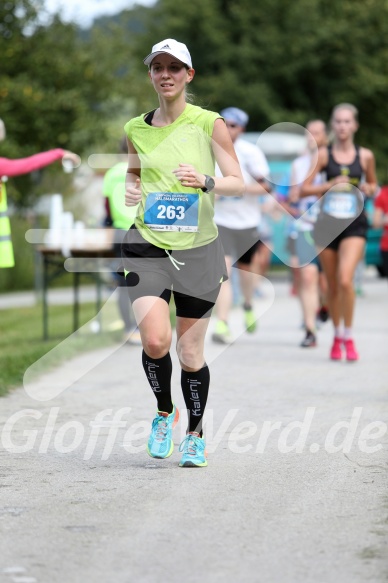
(209, 183)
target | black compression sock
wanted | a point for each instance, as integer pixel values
(158, 372)
(195, 388)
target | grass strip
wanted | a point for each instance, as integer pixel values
(22, 344)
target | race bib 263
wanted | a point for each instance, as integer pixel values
(172, 211)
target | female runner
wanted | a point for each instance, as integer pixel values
(173, 246)
(341, 227)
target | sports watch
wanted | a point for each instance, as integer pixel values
(209, 184)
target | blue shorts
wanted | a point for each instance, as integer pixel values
(306, 250)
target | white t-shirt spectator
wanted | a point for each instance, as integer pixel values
(243, 212)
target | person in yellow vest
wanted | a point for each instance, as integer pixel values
(10, 168)
(120, 218)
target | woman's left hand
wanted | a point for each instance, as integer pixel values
(367, 189)
(189, 177)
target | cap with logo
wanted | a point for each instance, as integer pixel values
(235, 115)
(171, 47)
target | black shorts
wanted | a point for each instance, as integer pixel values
(329, 232)
(239, 243)
(118, 237)
(193, 276)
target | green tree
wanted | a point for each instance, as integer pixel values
(52, 88)
(284, 61)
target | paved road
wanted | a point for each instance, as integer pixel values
(85, 503)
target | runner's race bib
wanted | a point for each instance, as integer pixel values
(172, 211)
(340, 204)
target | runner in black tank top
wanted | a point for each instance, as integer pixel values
(342, 209)
(340, 230)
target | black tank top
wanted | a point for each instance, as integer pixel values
(353, 171)
(149, 117)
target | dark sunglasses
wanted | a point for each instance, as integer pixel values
(230, 125)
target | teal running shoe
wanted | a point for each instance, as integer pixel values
(160, 444)
(194, 451)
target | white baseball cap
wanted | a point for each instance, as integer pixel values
(171, 47)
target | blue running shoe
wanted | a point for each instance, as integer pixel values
(194, 452)
(160, 444)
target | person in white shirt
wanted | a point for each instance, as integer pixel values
(237, 219)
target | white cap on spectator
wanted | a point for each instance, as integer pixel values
(235, 115)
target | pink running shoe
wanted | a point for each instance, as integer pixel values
(336, 349)
(351, 352)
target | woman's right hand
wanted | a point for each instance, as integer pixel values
(133, 193)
